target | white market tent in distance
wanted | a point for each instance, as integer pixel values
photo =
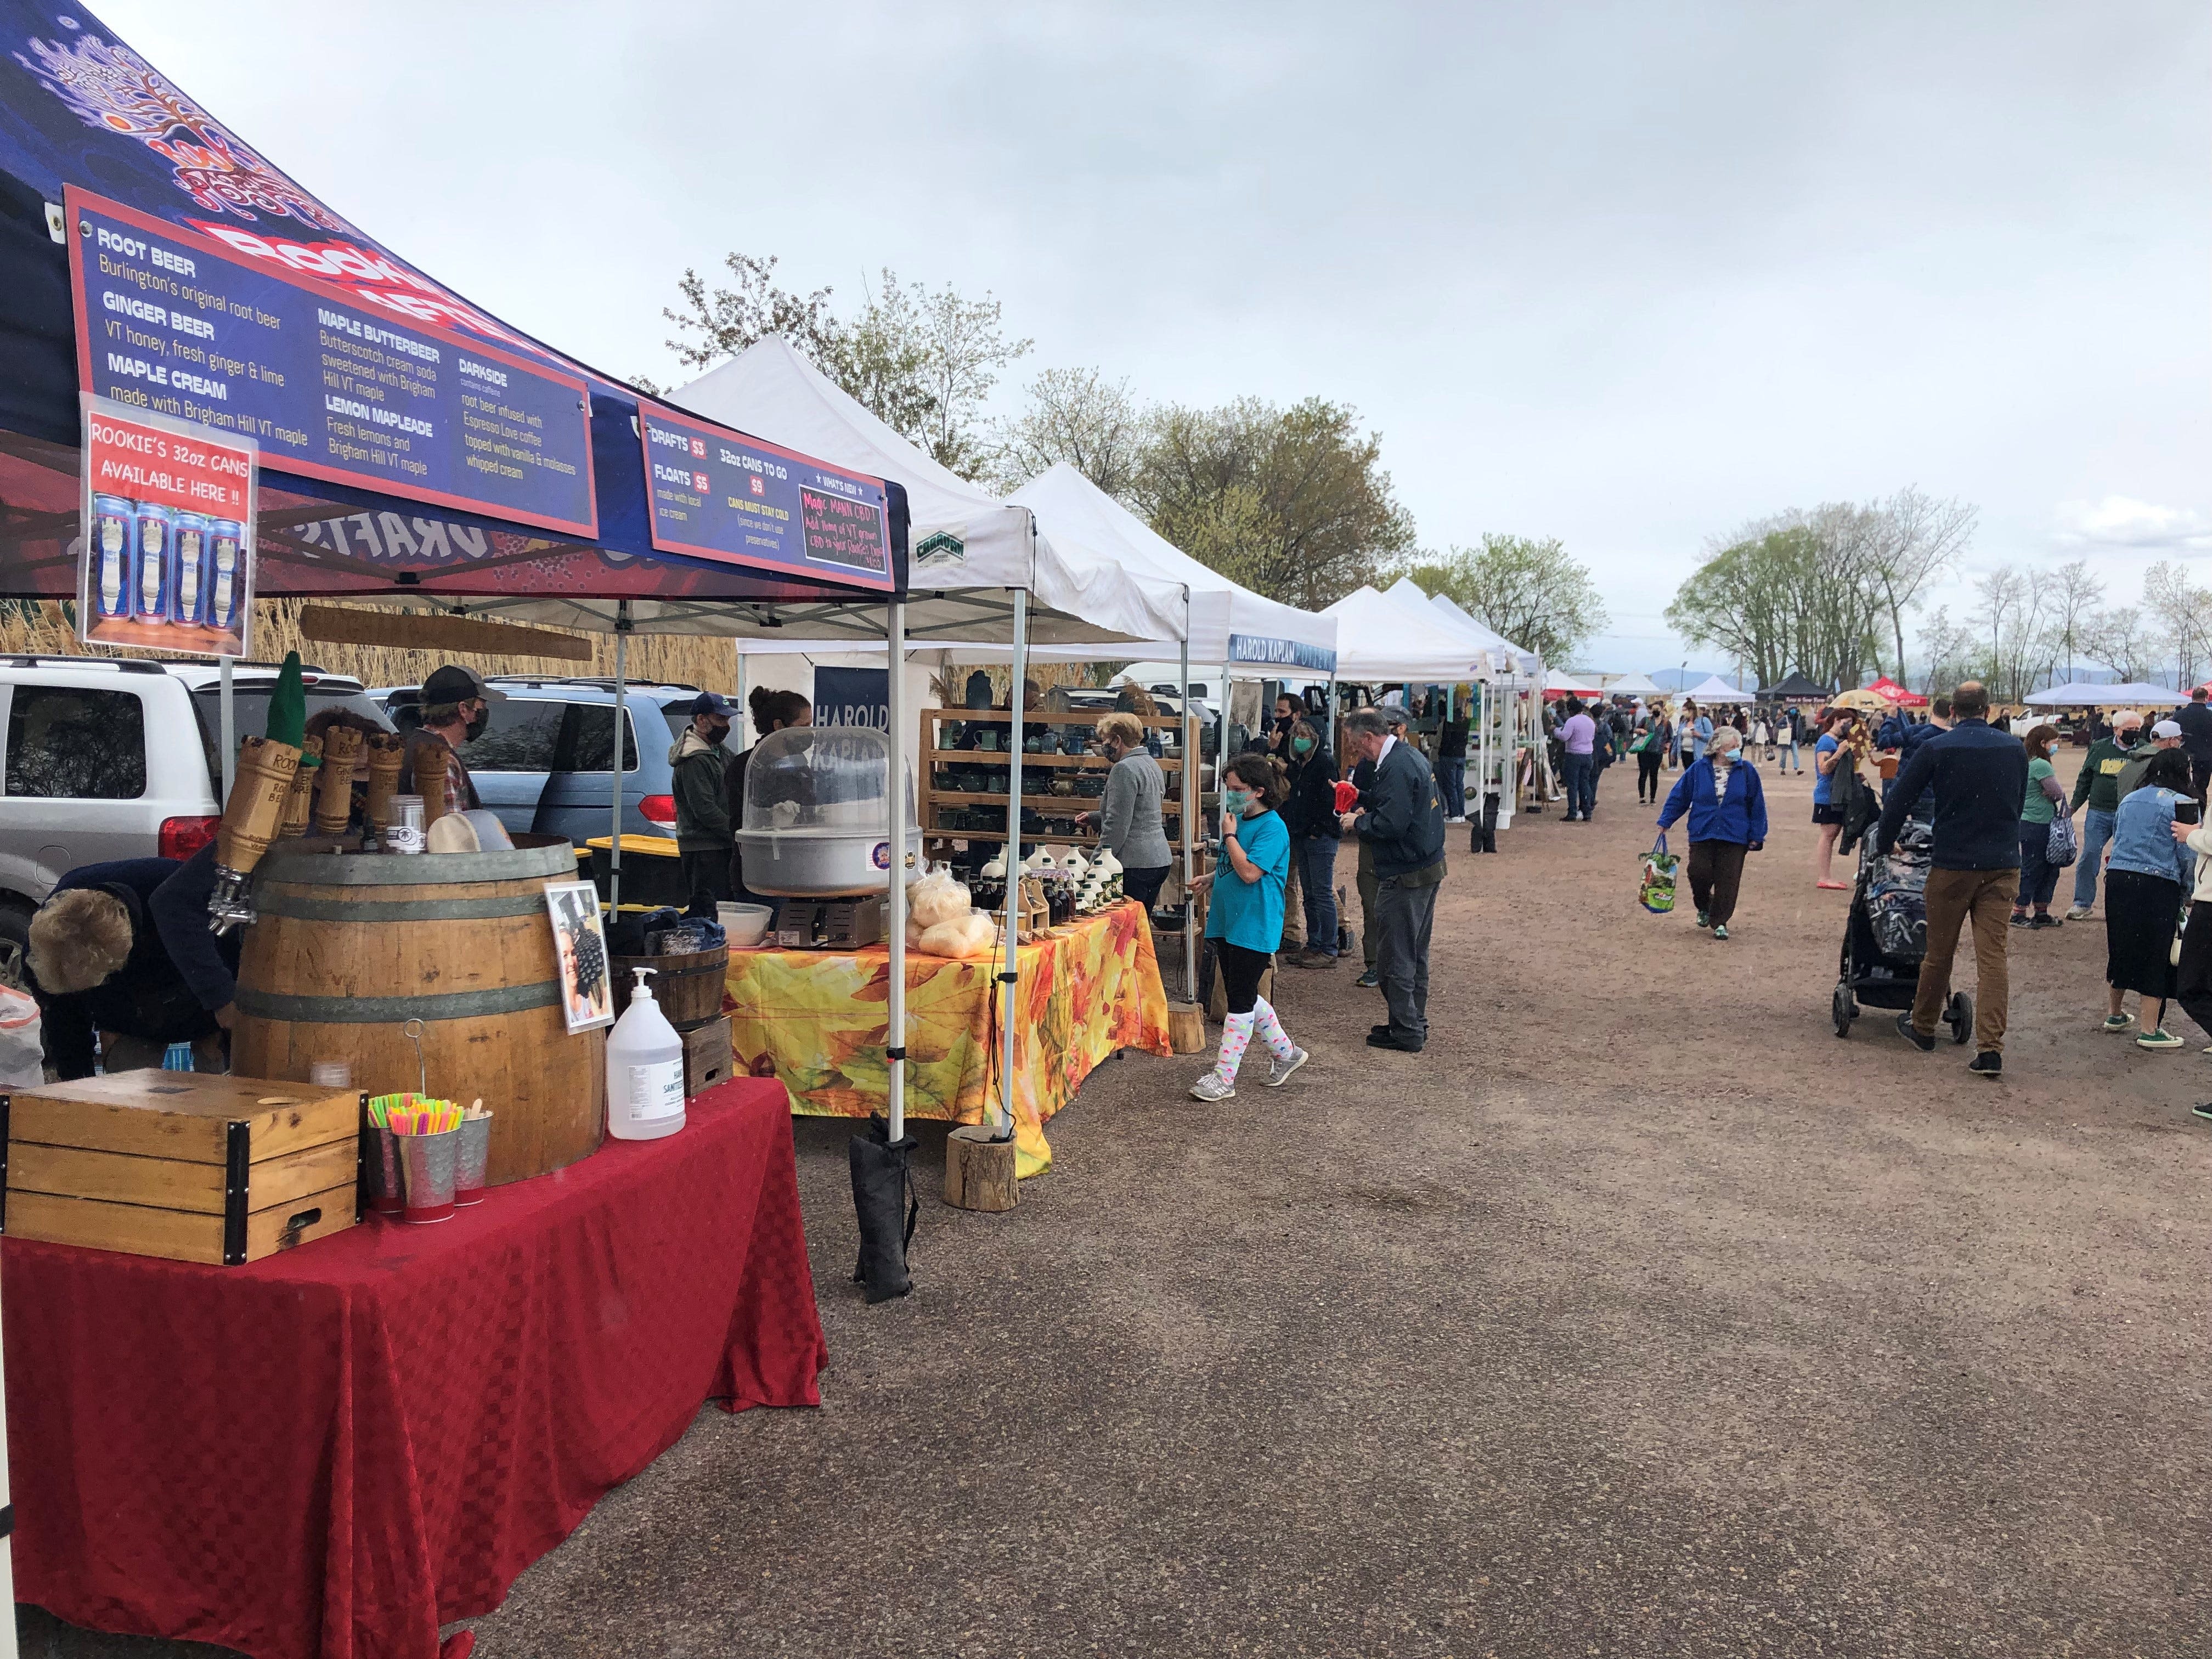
(1558, 679)
(2127, 695)
(1379, 639)
(1229, 623)
(968, 547)
(1634, 685)
(1714, 688)
(1507, 657)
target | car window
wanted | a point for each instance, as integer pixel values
(524, 736)
(587, 738)
(249, 713)
(79, 744)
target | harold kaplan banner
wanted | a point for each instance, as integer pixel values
(167, 562)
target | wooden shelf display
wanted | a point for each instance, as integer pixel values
(954, 809)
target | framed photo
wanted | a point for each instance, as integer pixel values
(587, 998)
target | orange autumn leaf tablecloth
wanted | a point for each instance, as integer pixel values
(816, 1019)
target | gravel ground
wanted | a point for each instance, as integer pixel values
(1637, 1316)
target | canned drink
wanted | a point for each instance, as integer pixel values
(225, 585)
(154, 576)
(188, 534)
(114, 528)
(404, 834)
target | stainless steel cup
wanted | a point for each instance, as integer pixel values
(380, 1167)
(475, 1153)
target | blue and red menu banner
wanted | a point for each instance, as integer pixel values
(331, 382)
(717, 494)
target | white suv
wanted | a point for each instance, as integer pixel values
(104, 759)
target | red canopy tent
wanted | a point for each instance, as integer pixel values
(1890, 691)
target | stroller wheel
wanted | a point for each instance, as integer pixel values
(1958, 1014)
(1844, 1009)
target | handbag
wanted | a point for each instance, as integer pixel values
(1656, 892)
(2061, 848)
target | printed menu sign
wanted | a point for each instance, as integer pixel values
(167, 562)
(735, 500)
(173, 322)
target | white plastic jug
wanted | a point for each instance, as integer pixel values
(644, 1070)
(21, 1063)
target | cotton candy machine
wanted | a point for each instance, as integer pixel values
(817, 813)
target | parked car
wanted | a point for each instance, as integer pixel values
(106, 758)
(541, 764)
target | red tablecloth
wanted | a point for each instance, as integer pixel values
(324, 1455)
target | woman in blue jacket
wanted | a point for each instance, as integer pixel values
(2148, 879)
(1727, 818)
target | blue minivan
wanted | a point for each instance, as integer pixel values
(542, 764)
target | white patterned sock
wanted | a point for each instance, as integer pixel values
(1271, 1030)
(1236, 1036)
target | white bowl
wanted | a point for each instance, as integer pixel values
(744, 924)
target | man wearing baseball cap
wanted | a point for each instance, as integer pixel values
(455, 705)
(2165, 734)
(2098, 787)
(703, 836)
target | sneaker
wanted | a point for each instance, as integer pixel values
(1313, 959)
(2203, 1109)
(1988, 1065)
(1720, 928)
(2161, 1039)
(1704, 918)
(2045, 919)
(2079, 913)
(1370, 978)
(1386, 1039)
(2019, 917)
(1905, 1029)
(2114, 1024)
(1213, 1087)
(1279, 1072)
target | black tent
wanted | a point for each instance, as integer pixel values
(1794, 687)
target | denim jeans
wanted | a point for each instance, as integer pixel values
(1451, 778)
(2038, 877)
(1581, 784)
(2096, 830)
(1315, 859)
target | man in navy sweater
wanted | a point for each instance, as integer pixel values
(1979, 776)
(1402, 820)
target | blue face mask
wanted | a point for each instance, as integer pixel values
(1235, 801)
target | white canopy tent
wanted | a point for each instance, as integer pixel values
(1506, 658)
(1379, 638)
(1504, 718)
(1558, 679)
(1634, 685)
(1714, 688)
(2127, 695)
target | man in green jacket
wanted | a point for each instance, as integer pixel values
(703, 818)
(2098, 787)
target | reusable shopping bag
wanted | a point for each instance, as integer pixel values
(2062, 849)
(1656, 891)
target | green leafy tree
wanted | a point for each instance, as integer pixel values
(1291, 502)
(1079, 417)
(1534, 592)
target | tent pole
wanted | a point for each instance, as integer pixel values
(229, 708)
(1189, 815)
(614, 765)
(1010, 974)
(894, 1047)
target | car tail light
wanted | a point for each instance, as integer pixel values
(659, 809)
(182, 837)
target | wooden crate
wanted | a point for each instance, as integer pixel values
(188, 1165)
(707, 1056)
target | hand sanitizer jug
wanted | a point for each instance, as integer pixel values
(644, 1070)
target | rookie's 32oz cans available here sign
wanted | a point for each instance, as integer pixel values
(167, 561)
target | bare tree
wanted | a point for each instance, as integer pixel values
(1079, 417)
(1913, 537)
(2010, 619)
(1947, 652)
(2077, 594)
(2183, 614)
(2122, 642)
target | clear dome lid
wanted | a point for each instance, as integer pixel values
(822, 780)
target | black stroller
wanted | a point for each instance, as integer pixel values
(1885, 934)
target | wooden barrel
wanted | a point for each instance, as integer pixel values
(349, 947)
(688, 986)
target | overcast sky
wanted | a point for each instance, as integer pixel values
(1625, 274)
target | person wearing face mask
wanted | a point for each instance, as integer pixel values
(696, 765)
(456, 708)
(1129, 817)
(1245, 921)
(1310, 816)
(774, 711)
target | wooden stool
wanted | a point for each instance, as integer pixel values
(979, 1171)
(1186, 1028)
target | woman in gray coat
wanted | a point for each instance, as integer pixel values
(1128, 819)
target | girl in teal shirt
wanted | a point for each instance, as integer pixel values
(1245, 919)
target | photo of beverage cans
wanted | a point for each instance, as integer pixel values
(149, 567)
